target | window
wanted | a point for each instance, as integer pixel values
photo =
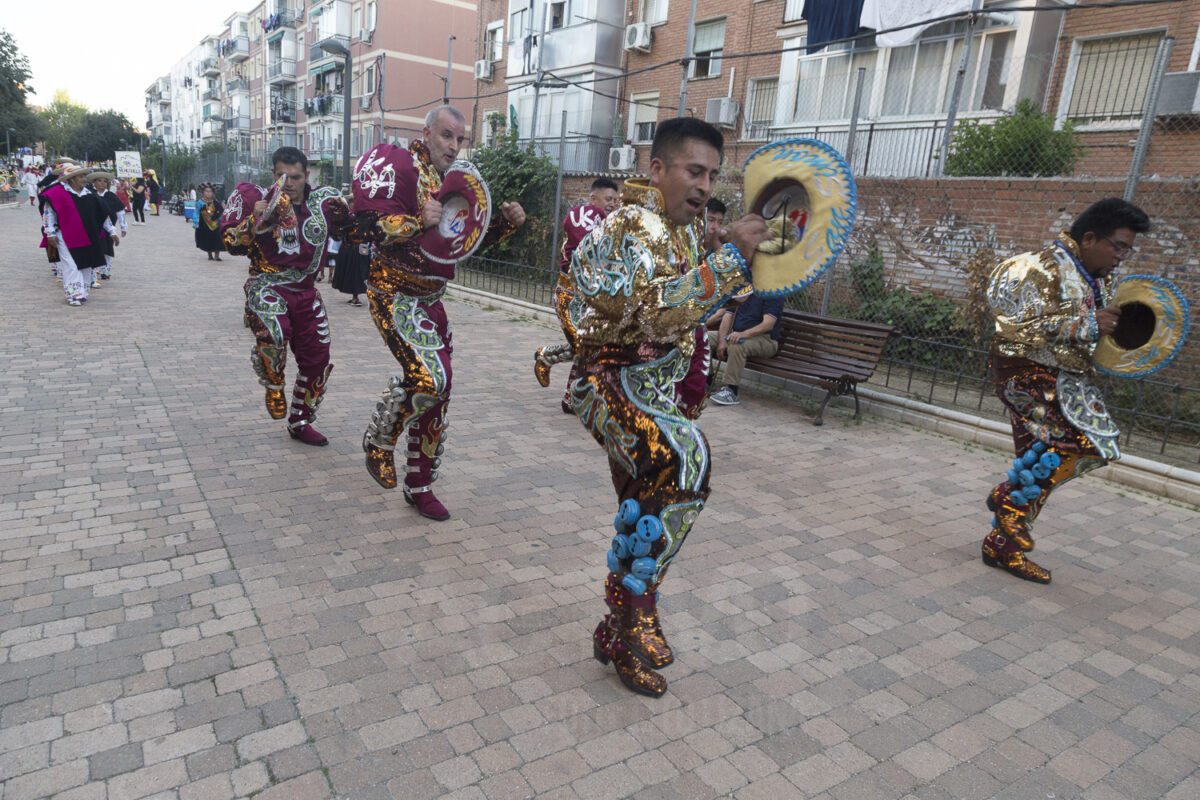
(760, 108)
(654, 11)
(792, 10)
(826, 81)
(523, 39)
(493, 43)
(1110, 77)
(371, 10)
(643, 116)
(558, 14)
(369, 81)
(708, 45)
(915, 80)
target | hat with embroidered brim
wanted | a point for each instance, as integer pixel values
(805, 191)
(466, 213)
(1152, 329)
(102, 176)
(73, 170)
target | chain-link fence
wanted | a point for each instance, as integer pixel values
(924, 242)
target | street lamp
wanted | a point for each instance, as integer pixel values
(162, 143)
(338, 49)
(8, 143)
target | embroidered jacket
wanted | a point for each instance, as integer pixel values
(290, 252)
(409, 179)
(643, 282)
(1044, 304)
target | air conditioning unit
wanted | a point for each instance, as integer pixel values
(483, 70)
(721, 111)
(637, 37)
(622, 159)
(364, 102)
(1180, 94)
(365, 34)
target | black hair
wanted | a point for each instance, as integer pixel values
(716, 206)
(673, 132)
(1105, 216)
(604, 183)
(289, 155)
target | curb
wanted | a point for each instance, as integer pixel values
(1174, 483)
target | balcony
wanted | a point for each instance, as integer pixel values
(210, 95)
(209, 66)
(238, 50)
(327, 105)
(164, 100)
(281, 70)
(589, 44)
(237, 85)
(283, 19)
(315, 53)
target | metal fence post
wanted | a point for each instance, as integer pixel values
(858, 87)
(562, 139)
(956, 96)
(1143, 140)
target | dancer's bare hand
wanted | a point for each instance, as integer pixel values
(747, 233)
(431, 214)
(1107, 319)
(513, 212)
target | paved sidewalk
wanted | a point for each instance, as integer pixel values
(194, 606)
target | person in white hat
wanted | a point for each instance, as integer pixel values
(75, 220)
(115, 209)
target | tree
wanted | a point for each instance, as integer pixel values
(62, 117)
(1022, 142)
(98, 135)
(15, 113)
(521, 173)
(14, 74)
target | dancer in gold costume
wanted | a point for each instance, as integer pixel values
(579, 222)
(1050, 308)
(644, 286)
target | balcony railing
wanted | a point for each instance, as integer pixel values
(239, 49)
(578, 153)
(208, 65)
(210, 94)
(281, 70)
(237, 85)
(324, 105)
(315, 53)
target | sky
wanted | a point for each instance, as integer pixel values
(106, 54)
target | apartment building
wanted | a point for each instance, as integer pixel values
(752, 74)
(275, 75)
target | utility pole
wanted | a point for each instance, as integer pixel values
(959, 78)
(449, 65)
(537, 81)
(687, 61)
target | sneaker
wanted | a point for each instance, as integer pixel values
(725, 397)
(95, 284)
(74, 302)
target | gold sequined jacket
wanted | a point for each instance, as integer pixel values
(642, 281)
(1045, 307)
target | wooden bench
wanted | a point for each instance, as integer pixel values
(829, 352)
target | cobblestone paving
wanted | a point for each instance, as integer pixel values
(194, 606)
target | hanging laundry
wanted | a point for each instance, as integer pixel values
(882, 15)
(830, 20)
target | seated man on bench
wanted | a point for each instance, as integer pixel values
(750, 331)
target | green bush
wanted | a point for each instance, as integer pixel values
(519, 172)
(926, 323)
(1022, 142)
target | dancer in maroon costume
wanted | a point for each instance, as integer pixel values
(395, 203)
(282, 302)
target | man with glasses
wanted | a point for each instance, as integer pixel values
(1050, 308)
